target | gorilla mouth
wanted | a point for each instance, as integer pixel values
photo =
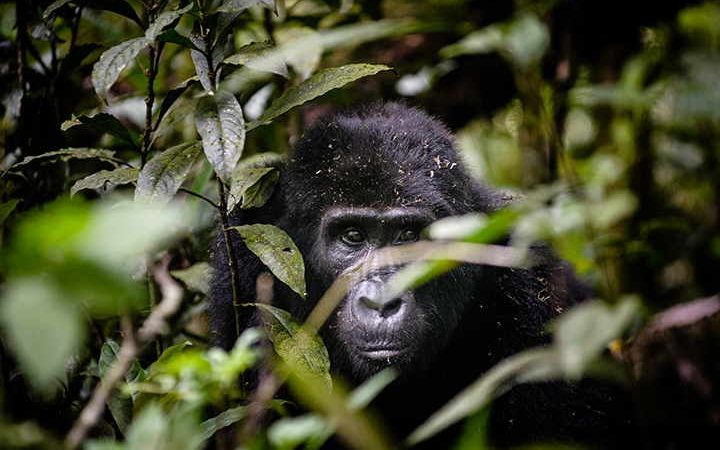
(380, 351)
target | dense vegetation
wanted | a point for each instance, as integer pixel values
(130, 128)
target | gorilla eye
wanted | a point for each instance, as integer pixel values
(352, 236)
(407, 236)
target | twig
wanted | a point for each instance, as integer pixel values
(153, 326)
(200, 196)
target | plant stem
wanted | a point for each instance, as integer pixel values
(232, 261)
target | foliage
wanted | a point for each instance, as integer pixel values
(160, 117)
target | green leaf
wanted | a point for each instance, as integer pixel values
(362, 395)
(199, 57)
(253, 181)
(278, 252)
(172, 95)
(317, 85)
(6, 208)
(583, 333)
(44, 330)
(70, 153)
(106, 71)
(291, 432)
(120, 405)
(163, 175)
(54, 6)
(196, 277)
(302, 351)
(360, 33)
(242, 5)
(102, 123)
(538, 364)
(174, 37)
(164, 20)
(219, 121)
(223, 420)
(105, 179)
(304, 60)
(120, 7)
(260, 56)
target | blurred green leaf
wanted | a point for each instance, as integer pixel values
(223, 420)
(317, 85)
(219, 121)
(119, 404)
(196, 277)
(162, 176)
(6, 208)
(304, 63)
(260, 56)
(584, 332)
(291, 432)
(44, 330)
(530, 365)
(105, 179)
(157, 430)
(107, 70)
(242, 5)
(302, 351)
(278, 252)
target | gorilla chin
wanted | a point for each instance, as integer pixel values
(374, 177)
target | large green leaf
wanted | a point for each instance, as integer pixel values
(113, 61)
(315, 86)
(164, 20)
(278, 252)
(219, 121)
(302, 351)
(163, 175)
(196, 277)
(44, 330)
(105, 179)
(260, 56)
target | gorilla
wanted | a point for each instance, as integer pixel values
(376, 176)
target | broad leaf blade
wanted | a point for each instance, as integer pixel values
(260, 56)
(278, 252)
(163, 175)
(102, 123)
(219, 121)
(164, 20)
(113, 61)
(70, 153)
(315, 86)
(105, 179)
(302, 351)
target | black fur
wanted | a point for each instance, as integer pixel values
(389, 156)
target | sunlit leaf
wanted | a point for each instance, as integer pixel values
(302, 351)
(278, 252)
(260, 56)
(155, 429)
(107, 70)
(315, 86)
(242, 5)
(196, 277)
(305, 60)
(105, 179)
(291, 432)
(163, 175)
(44, 330)
(219, 121)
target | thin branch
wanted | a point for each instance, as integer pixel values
(154, 325)
(200, 196)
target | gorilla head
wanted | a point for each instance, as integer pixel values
(375, 177)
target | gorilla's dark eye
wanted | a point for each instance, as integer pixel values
(352, 236)
(406, 236)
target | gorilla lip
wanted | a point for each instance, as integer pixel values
(380, 351)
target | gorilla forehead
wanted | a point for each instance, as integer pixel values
(382, 155)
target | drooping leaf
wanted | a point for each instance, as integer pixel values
(70, 153)
(163, 175)
(53, 7)
(302, 351)
(105, 179)
(223, 420)
(164, 20)
(102, 123)
(253, 180)
(196, 277)
(6, 208)
(174, 37)
(172, 95)
(278, 252)
(113, 61)
(200, 61)
(537, 364)
(219, 121)
(121, 7)
(315, 86)
(44, 330)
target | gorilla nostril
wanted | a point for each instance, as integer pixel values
(391, 307)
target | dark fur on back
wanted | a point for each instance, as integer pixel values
(390, 155)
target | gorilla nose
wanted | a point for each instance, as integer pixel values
(370, 299)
